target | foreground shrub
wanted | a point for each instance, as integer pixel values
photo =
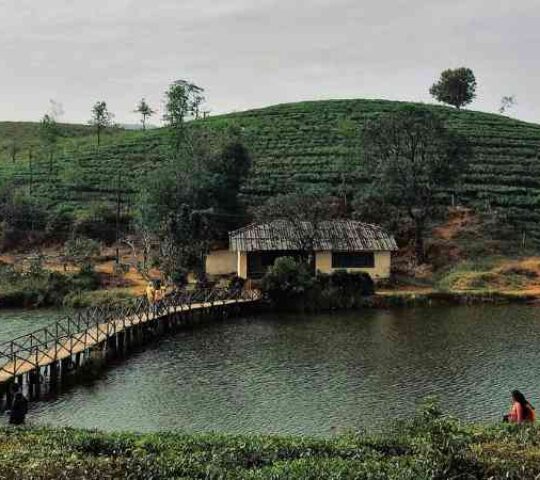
(288, 283)
(291, 285)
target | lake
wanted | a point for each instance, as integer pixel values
(315, 374)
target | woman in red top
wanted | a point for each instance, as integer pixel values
(521, 410)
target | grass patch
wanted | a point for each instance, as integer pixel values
(111, 297)
(490, 274)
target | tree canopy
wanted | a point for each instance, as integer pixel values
(411, 158)
(145, 111)
(101, 118)
(456, 87)
(191, 200)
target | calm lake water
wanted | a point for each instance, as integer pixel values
(310, 374)
(16, 322)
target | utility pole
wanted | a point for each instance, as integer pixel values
(31, 167)
(118, 204)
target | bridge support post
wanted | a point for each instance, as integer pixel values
(65, 366)
(4, 402)
(110, 347)
(53, 375)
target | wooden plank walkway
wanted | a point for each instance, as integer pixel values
(72, 336)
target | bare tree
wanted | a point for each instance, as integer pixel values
(507, 102)
(306, 213)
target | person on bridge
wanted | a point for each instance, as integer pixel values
(150, 293)
(521, 410)
(160, 292)
(19, 409)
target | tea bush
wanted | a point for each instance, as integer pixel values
(430, 446)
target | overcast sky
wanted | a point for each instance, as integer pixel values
(252, 53)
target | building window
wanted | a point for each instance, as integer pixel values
(353, 260)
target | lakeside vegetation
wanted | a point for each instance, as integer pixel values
(173, 193)
(429, 446)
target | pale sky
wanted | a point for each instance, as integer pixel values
(254, 53)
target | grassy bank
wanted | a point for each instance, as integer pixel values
(430, 446)
(430, 297)
(39, 287)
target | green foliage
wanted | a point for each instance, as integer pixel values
(81, 251)
(411, 155)
(431, 446)
(38, 286)
(101, 118)
(191, 199)
(145, 112)
(287, 282)
(80, 298)
(291, 285)
(342, 290)
(183, 100)
(456, 87)
(293, 147)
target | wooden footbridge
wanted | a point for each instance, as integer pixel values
(40, 359)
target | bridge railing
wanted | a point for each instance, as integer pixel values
(94, 325)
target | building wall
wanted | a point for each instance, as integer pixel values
(221, 262)
(242, 265)
(323, 263)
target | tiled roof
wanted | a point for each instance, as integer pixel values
(336, 235)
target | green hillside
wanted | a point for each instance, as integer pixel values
(294, 145)
(19, 136)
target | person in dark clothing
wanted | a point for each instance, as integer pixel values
(19, 409)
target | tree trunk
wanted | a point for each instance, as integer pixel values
(419, 240)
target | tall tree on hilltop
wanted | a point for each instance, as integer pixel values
(145, 111)
(411, 156)
(507, 102)
(101, 118)
(456, 87)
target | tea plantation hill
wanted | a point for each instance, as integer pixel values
(294, 145)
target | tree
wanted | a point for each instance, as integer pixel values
(49, 133)
(14, 149)
(191, 200)
(101, 118)
(348, 165)
(411, 157)
(456, 87)
(225, 171)
(145, 111)
(80, 251)
(295, 208)
(507, 102)
(183, 100)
